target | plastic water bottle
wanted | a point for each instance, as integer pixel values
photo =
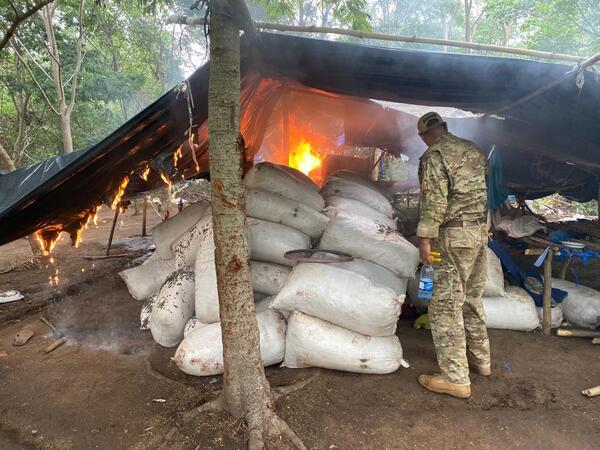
(426, 283)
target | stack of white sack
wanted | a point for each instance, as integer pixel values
(283, 208)
(201, 351)
(343, 317)
(514, 311)
(582, 305)
(362, 225)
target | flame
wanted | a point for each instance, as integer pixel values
(78, 236)
(304, 158)
(145, 173)
(120, 192)
(177, 154)
(47, 240)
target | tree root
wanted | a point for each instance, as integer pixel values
(262, 426)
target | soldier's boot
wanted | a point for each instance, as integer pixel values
(436, 383)
(484, 371)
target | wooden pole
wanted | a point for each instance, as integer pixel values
(144, 215)
(199, 21)
(286, 126)
(575, 332)
(112, 230)
(591, 392)
(547, 317)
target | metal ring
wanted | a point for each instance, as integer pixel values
(296, 255)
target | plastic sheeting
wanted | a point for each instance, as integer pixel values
(552, 137)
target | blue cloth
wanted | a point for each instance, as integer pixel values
(519, 274)
(497, 191)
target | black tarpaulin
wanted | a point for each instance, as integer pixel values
(556, 132)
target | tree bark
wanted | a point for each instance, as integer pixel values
(6, 162)
(245, 387)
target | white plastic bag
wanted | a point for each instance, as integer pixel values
(341, 187)
(145, 313)
(282, 181)
(494, 283)
(167, 233)
(312, 342)
(353, 207)
(172, 308)
(364, 238)
(515, 311)
(268, 278)
(201, 352)
(279, 209)
(188, 244)
(556, 315)
(582, 306)
(146, 279)
(270, 241)
(342, 297)
(191, 325)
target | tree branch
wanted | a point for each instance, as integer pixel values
(19, 19)
(32, 75)
(32, 58)
(78, 56)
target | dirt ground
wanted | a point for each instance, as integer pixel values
(112, 387)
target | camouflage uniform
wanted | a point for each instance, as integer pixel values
(453, 188)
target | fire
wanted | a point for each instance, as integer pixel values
(304, 158)
(47, 240)
(145, 173)
(177, 155)
(119, 193)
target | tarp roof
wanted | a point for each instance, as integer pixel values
(551, 142)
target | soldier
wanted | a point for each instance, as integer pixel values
(452, 173)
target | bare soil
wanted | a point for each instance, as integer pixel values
(111, 387)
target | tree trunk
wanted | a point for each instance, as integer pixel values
(504, 34)
(445, 31)
(468, 4)
(65, 129)
(6, 162)
(246, 390)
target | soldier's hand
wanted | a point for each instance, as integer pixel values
(425, 251)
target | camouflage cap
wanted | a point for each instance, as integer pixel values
(429, 121)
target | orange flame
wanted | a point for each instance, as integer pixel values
(145, 173)
(78, 236)
(177, 154)
(304, 158)
(120, 193)
(47, 241)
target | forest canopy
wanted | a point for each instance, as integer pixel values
(74, 70)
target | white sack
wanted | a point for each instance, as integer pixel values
(353, 177)
(494, 283)
(201, 352)
(556, 315)
(268, 278)
(342, 297)
(515, 311)
(146, 279)
(145, 313)
(312, 342)
(378, 275)
(191, 325)
(365, 239)
(167, 233)
(276, 208)
(341, 187)
(173, 307)
(187, 246)
(284, 181)
(353, 207)
(269, 241)
(582, 305)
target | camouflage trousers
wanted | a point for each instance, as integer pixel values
(456, 311)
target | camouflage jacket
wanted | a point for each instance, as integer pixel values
(452, 174)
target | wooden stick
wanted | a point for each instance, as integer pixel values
(592, 392)
(547, 317)
(55, 345)
(199, 21)
(568, 332)
(596, 341)
(120, 255)
(48, 323)
(112, 230)
(144, 215)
